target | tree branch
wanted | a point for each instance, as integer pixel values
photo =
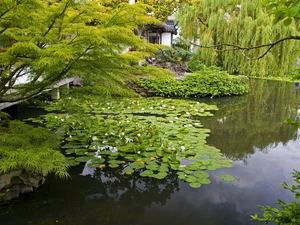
(234, 47)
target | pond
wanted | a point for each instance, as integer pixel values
(248, 129)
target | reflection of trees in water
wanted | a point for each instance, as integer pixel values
(103, 197)
(254, 120)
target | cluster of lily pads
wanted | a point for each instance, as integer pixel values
(147, 136)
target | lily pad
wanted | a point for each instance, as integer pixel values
(129, 171)
(112, 165)
(227, 177)
(146, 173)
(137, 165)
(83, 159)
(195, 185)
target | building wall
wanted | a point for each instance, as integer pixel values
(166, 39)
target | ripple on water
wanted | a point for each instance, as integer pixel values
(264, 187)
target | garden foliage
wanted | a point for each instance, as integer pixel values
(210, 81)
(34, 150)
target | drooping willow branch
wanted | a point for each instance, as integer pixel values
(234, 47)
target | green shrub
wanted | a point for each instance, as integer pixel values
(23, 147)
(194, 66)
(208, 82)
(177, 55)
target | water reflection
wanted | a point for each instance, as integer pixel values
(99, 197)
(255, 120)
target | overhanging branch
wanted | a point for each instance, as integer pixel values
(233, 47)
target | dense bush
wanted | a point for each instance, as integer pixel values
(195, 65)
(208, 82)
(177, 55)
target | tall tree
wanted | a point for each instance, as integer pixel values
(51, 40)
(231, 25)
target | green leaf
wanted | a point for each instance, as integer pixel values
(195, 185)
(227, 177)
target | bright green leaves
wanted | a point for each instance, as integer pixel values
(284, 10)
(149, 136)
(227, 177)
(32, 149)
(207, 82)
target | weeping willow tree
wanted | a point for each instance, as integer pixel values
(239, 23)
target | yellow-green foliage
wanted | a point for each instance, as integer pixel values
(248, 26)
(23, 147)
(152, 71)
(57, 39)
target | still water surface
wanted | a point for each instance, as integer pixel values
(248, 129)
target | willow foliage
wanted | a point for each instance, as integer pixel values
(243, 23)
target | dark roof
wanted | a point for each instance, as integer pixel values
(164, 27)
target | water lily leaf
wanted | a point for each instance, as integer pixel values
(69, 151)
(203, 180)
(93, 165)
(113, 161)
(83, 159)
(98, 161)
(188, 171)
(72, 163)
(160, 175)
(200, 174)
(146, 173)
(191, 179)
(129, 171)
(80, 151)
(137, 165)
(227, 177)
(113, 165)
(195, 185)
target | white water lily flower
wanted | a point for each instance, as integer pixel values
(122, 133)
(196, 110)
(142, 109)
(202, 110)
(163, 105)
(182, 148)
(176, 118)
(138, 135)
(160, 108)
(70, 136)
(139, 152)
(197, 103)
(187, 113)
(62, 120)
(151, 107)
(55, 117)
(108, 107)
(196, 124)
(128, 107)
(99, 157)
(69, 97)
(173, 107)
(171, 121)
(191, 105)
(106, 134)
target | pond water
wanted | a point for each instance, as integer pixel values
(248, 129)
